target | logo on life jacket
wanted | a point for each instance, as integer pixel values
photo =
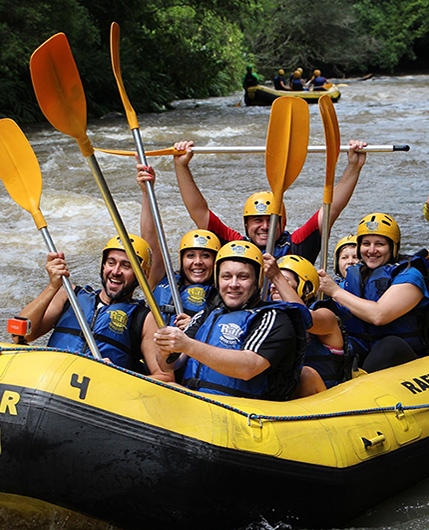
(230, 334)
(196, 295)
(118, 321)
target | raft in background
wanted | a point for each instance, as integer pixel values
(264, 95)
(135, 452)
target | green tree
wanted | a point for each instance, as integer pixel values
(396, 25)
(23, 27)
(317, 33)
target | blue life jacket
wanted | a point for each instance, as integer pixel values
(297, 85)
(229, 329)
(411, 327)
(110, 324)
(282, 246)
(319, 81)
(193, 297)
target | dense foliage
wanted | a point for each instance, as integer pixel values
(199, 48)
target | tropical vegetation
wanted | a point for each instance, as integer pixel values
(200, 48)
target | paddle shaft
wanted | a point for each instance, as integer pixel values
(274, 222)
(73, 300)
(253, 149)
(159, 228)
(134, 127)
(123, 234)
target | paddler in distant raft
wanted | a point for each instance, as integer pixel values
(244, 347)
(197, 253)
(123, 327)
(317, 81)
(305, 241)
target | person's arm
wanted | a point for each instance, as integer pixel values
(345, 187)
(147, 226)
(241, 364)
(45, 310)
(192, 197)
(148, 350)
(275, 276)
(325, 326)
(398, 300)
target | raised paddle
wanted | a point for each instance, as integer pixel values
(21, 175)
(251, 149)
(332, 140)
(287, 141)
(134, 126)
(61, 97)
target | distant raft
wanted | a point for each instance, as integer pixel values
(134, 452)
(264, 95)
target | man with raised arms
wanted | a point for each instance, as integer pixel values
(305, 241)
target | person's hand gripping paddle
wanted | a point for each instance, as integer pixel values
(61, 97)
(286, 150)
(21, 175)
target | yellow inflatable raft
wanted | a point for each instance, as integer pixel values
(264, 95)
(138, 453)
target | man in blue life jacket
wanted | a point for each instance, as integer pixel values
(244, 347)
(123, 328)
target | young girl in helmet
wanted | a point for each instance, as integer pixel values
(345, 254)
(197, 253)
(386, 297)
(294, 279)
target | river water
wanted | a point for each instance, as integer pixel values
(384, 110)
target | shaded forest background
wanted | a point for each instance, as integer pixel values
(200, 48)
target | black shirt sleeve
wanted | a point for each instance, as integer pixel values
(272, 336)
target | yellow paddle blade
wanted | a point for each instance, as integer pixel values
(332, 140)
(20, 170)
(59, 89)
(115, 34)
(287, 142)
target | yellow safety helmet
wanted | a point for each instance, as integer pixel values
(140, 246)
(241, 251)
(380, 224)
(261, 203)
(317, 73)
(300, 70)
(281, 72)
(203, 239)
(308, 279)
(343, 242)
(297, 74)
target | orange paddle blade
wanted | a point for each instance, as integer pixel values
(287, 142)
(332, 140)
(115, 34)
(59, 89)
(20, 170)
